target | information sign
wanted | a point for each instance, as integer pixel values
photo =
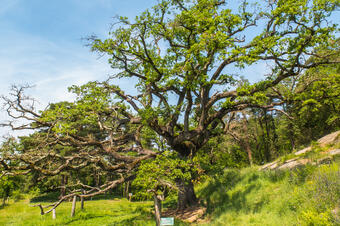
(167, 221)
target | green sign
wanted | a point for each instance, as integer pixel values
(167, 221)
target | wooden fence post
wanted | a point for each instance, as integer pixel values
(73, 211)
(54, 215)
(158, 208)
(82, 200)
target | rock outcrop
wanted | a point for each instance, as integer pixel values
(326, 156)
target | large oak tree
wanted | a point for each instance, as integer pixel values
(183, 56)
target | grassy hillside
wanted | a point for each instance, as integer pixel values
(302, 188)
(305, 196)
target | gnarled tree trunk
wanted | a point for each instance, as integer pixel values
(186, 194)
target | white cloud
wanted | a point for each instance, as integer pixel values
(51, 67)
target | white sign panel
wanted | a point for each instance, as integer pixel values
(167, 221)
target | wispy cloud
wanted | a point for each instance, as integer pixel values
(48, 65)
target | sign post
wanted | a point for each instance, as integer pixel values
(167, 221)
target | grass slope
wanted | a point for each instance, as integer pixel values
(305, 196)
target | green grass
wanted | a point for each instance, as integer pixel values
(96, 212)
(305, 196)
(99, 212)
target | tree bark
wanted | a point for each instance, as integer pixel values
(186, 194)
(81, 203)
(127, 185)
(73, 211)
(158, 209)
(246, 140)
(268, 140)
(64, 180)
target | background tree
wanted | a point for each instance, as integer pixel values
(10, 185)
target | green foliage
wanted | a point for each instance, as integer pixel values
(179, 52)
(184, 94)
(219, 153)
(312, 218)
(313, 104)
(159, 175)
(9, 186)
(17, 195)
(320, 102)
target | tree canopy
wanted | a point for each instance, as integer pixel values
(181, 54)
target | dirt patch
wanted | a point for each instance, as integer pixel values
(190, 215)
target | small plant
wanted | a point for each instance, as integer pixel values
(312, 218)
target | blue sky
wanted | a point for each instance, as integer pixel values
(41, 43)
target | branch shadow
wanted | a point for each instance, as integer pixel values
(217, 198)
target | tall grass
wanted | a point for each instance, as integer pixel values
(304, 196)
